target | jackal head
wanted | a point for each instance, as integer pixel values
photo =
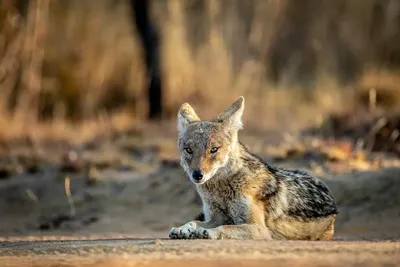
(205, 146)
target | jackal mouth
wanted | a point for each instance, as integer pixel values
(202, 181)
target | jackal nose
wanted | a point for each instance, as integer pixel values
(197, 175)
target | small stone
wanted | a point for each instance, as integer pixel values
(71, 162)
(158, 242)
(93, 176)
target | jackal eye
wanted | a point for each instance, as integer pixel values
(188, 150)
(214, 149)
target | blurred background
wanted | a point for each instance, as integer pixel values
(89, 92)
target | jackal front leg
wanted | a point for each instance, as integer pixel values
(242, 231)
(249, 223)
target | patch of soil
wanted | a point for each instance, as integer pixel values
(150, 252)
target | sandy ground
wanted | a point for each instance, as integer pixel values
(98, 205)
(150, 252)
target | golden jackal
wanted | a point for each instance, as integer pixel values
(244, 197)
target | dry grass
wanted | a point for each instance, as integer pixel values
(79, 61)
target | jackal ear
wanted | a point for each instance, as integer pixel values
(186, 115)
(232, 116)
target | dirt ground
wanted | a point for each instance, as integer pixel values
(112, 201)
(150, 252)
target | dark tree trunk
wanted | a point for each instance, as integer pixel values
(148, 35)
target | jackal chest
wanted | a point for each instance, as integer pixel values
(233, 208)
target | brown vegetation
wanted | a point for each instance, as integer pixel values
(80, 61)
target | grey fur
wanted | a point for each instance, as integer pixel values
(244, 197)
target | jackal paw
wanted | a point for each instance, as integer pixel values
(201, 233)
(184, 232)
